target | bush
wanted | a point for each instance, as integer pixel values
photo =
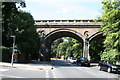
(112, 55)
(6, 54)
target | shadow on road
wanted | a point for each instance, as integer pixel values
(63, 63)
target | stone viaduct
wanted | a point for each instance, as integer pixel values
(82, 30)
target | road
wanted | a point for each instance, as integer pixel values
(61, 69)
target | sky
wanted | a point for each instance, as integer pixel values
(63, 9)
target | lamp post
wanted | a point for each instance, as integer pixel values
(13, 49)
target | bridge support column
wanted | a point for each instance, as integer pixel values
(46, 51)
(86, 49)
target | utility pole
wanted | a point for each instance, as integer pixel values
(13, 49)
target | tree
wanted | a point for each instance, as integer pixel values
(77, 48)
(27, 38)
(20, 24)
(111, 29)
(54, 46)
(96, 47)
(61, 49)
(8, 13)
(70, 48)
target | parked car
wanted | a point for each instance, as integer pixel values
(69, 58)
(105, 65)
(83, 62)
(72, 59)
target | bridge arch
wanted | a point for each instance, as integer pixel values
(52, 36)
(64, 33)
(95, 35)
(58, 33)
(97, 38)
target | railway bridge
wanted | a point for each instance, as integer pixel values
(82, 30)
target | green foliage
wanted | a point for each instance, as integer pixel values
(77, 48)
(55, 45)
(27, 38)
(20, 24)
(111, 55)
(70, 47)
(6, 53)
(111, 27)
(8, 13)
(96, 47)
(0, 12)
(61, 49)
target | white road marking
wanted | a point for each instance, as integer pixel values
(102, 73)
(47, 74)
(10, 76)
(54, 75)
(98, 73)
(2, 70)
(88, 70)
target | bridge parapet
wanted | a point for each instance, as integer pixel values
(67, 22)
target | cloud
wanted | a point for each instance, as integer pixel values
(62, 10)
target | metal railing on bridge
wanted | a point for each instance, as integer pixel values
(67, 22)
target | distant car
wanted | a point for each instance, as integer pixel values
(105, 65)
(69, 58)
(83, 62)
(72, 59)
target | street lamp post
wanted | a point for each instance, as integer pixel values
(13, 49)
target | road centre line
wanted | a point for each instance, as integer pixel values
(54, 75)
(47, 74)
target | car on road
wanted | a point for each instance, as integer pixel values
(72, 59)
(83, 62)
(106, 66)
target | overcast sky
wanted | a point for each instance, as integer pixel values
(63, 9)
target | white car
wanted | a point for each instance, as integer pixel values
(72, 59)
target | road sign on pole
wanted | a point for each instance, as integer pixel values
(13, 50)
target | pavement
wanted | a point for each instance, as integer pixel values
(29, 66)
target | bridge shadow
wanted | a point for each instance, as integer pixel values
(59, 63)
(63, 63)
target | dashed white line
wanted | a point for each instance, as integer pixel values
(47, 74)
(54, 75)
